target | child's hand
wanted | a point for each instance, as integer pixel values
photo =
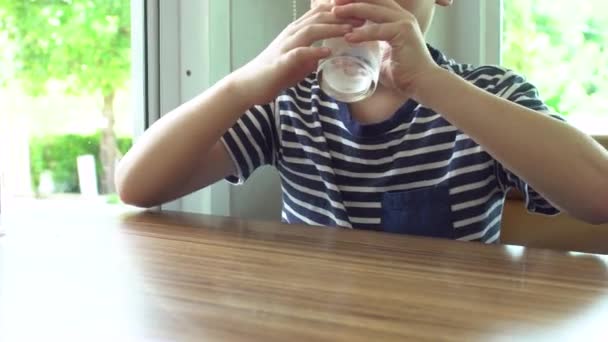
(290, 57)
(408, 59)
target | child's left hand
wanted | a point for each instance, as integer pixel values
(408, 59)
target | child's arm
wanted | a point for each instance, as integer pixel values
(182, 153)
(566, 166)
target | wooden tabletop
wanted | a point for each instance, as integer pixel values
(176, 277)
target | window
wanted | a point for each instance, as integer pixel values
(66, 102)
(562, 47)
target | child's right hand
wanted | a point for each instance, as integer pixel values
(290, 57)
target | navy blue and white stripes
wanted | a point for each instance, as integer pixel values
(414, 173)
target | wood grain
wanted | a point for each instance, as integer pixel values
(177, 277)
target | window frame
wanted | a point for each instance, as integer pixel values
(184, 42)
(145, 63)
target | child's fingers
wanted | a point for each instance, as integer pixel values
(372, 32)
(329, 18)
(304, 60)
(324, 18)
(306, 54)
(322, 8)
(386, 3)
(313, 33)
(372, 12)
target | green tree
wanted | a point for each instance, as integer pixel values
(562, 47)
(85, 44)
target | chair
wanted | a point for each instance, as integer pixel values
(561, 232)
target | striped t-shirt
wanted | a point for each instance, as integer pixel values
(413, 173)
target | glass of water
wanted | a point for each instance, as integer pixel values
(351, 72)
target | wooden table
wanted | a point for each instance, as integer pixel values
(172, 277)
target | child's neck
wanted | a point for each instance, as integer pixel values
(378, 107)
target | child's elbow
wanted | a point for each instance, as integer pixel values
(130, 197)
(597, 220)
(133, 199)
(128, 193)
(603, 214)
(599, 214)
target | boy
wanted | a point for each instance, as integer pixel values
(433, 152)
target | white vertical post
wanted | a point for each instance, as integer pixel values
(493, 32)
(15, 152)
(169, 72)
(87, 176)
(139, 69)
(477, 31)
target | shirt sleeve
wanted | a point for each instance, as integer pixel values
(252, 142)
(516, 89)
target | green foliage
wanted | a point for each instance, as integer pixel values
(113, 199)
(562, 47)
(84, 43)
(59, 153)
